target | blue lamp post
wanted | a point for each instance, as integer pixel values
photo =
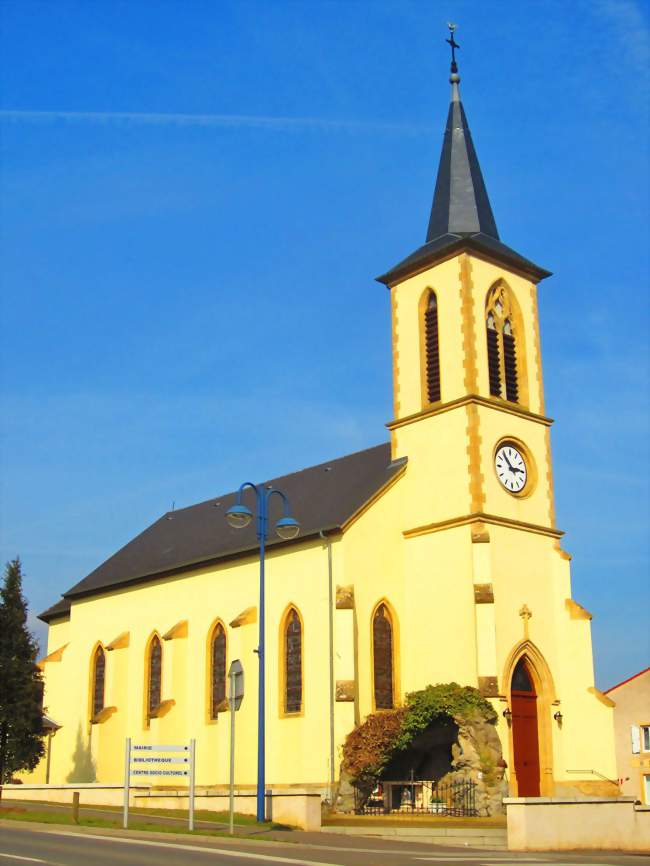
(287, 527)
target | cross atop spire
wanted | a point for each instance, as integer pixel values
(454, 46)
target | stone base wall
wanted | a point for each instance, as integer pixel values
(595, 823)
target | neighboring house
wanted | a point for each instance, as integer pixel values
(431, 558)
(632, 732)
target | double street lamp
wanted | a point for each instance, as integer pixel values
(287, 527)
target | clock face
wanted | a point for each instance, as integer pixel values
(511, 468)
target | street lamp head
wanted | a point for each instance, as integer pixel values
(287, 528)
(239, 516)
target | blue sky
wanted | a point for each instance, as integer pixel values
(195, 198)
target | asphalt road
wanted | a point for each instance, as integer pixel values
(22, 846)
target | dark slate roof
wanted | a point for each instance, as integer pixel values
(322, 498)
(61, 608)
(447, 245)
(460, 201)
(461, 215)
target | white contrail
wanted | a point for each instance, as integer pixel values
(255, 121)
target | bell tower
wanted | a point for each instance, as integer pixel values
(467, 374)
(486, 585)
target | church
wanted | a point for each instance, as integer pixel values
(433, 557)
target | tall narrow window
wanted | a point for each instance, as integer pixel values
(292, 663)
(494, 362)
(432, 349)
(501, 344)
(99, 678)
(218, 662)
(155, 675)
(510, 362)
(382, 648)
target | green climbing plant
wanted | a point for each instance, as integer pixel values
(369, 747)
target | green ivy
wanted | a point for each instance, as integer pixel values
(436, 702)
(370, 747)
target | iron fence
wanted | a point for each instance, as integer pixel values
(457, 799)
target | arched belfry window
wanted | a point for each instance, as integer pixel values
(501, 344)
(431, 348)
(382, 655)
(99, 681)
(292, 662)
(154, 684)
(218, 670)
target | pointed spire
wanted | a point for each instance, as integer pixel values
(461, 216)
(460, 203)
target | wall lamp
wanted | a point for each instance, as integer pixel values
(507, 715)
(558, 717)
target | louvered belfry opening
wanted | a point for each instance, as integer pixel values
(99, 679)
(218, 690)
(510, 363)
(501, 344)
(155, 675)
(432, 348)
(382, 645)
(494, 362)
(293, 664)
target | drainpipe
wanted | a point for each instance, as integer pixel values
(330, 587)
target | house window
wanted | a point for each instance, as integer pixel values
(382, 653)
(155, 676)
(501, 344)
(99, 678)
(645, 738)
(646, 790)
(432, 353)
(218, 672)
(292, 662)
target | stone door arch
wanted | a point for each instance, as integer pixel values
(529, 659)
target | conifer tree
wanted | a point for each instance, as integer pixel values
(21, 687)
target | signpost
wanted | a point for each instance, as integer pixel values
(146, 760)
(235, 697)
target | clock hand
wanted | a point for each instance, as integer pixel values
(510, 467)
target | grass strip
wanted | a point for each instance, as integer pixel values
(99, 823)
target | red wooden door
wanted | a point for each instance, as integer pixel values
(525, 743)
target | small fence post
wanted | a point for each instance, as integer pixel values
(75, 806)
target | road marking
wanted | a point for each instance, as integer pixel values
(224, 852)
(28, 859)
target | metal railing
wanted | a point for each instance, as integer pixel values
(457, 799)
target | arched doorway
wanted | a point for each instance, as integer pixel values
(525, 730)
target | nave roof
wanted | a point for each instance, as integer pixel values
(323, 498)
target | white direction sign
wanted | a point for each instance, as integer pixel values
(158, 764)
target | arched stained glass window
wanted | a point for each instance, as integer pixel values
(501, 344)
(432, 350)
(155, 675)
(521, 681)
(293, 662)
(99, 679)
(382, 650)
(218, 673)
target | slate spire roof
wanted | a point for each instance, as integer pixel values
(460, 202)
(461, 215)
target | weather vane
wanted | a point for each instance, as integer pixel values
(454, 46)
